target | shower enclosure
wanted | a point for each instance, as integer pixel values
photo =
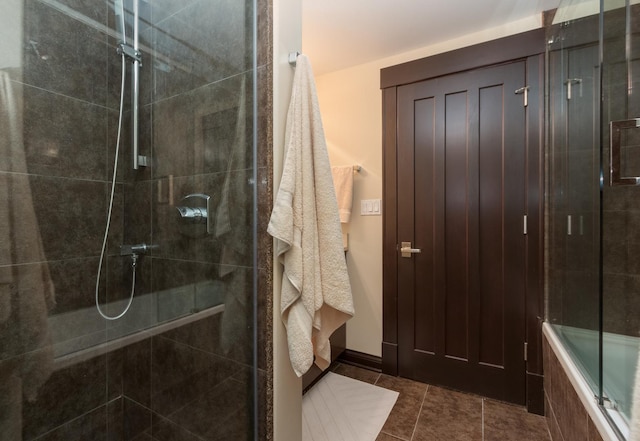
(182, 362)
(593, 197)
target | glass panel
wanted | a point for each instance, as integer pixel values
(574, 194)
(177, 259)
(621, 273)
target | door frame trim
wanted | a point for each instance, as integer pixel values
(529, 46)
(479, 55)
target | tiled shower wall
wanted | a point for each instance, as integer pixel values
(621, 204)
(191, 383)
(566, 416)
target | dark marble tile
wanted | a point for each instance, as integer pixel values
(178, 375)
(449, 415)
(71, 214)
(504, 422)
(201, 44)
(90, 426)
(10, 400)
(52, 224)
(631, 262)
(115, 360)
(183, 287)
(219, 413)
(357, 373)
(615, 198)
(72, 280)
(405, 412)
(68, 143)
(136, 379)
(204, 131)
(75, 44)
(143, 437)
(115, 414)
(164, 429)
(136, 420)
(163, 9)
(182, 374)
(237, 427)
(68, 393)
(25, 329)
(202, 334)
(632, 197)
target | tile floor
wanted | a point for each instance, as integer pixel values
(424, 413)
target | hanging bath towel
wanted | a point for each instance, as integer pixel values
(343, 182)
(316, 295)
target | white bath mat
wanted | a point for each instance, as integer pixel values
(338, 408)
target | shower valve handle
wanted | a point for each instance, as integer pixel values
(140, 248)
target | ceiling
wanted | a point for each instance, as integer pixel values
(337, 34)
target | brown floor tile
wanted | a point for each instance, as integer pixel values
(386, 437)
(357, 373)
(506, 422)
(594, 434)
(449, 415)
(405, 412)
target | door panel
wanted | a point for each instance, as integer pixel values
(461, 200)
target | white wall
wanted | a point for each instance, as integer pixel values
(287, 387)
(11, 40)
(351, 105)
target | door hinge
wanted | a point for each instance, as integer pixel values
(526, 351)
(525, 92)
(524, 224)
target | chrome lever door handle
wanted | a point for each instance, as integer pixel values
(407, 251)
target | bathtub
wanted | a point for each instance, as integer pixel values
(574, 348)
(82, 334)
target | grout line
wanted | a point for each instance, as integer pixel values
(482, 419)
(415, 425)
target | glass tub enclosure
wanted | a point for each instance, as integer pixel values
(127, 220)
(593, 197)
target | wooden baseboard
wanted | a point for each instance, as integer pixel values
(360, 359)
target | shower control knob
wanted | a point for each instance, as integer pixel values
(196, 214)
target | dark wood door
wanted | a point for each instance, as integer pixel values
(461, 177)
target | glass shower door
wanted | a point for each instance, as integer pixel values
(574, 201)
(621, 206)
(181, 363)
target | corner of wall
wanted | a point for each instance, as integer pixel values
(287, 387)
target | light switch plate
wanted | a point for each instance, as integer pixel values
(370, 207)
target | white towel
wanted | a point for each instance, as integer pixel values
(343, 182)
(316, 294)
